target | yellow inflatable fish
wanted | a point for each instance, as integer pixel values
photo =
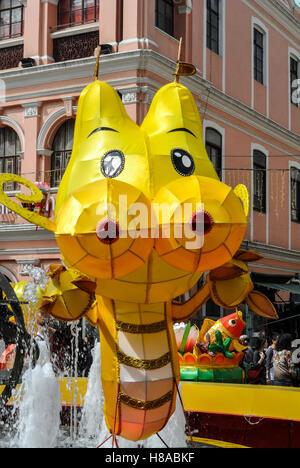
(109, 226)
(230, 328)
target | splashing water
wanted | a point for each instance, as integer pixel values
(39, 410)
(32, 291)
(92, 425)
(38, 402)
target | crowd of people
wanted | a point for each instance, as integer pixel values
(270, 363)
(70, 349)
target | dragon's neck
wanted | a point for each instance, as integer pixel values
(139, 366)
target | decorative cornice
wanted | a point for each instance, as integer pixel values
(241, 111)
(73, 31)
(186, 9)
(54, 2)
(36, 251)
(279, 9)
(11, 42)
(31, 109)
(44, 152)
(286, 20)
(25, 265)
(157, 64)
(273, 252)
(22, 232)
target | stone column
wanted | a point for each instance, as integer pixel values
(32, 30)
(40, 17)
(31, 130)
(109, 22)
(132, 25)
(186, 10)
(49, 16)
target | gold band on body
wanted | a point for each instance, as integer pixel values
(145, 405)
(141, 329)
(144, 364)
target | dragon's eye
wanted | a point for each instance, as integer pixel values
(112, 163)
(232, 323)
(182, 162)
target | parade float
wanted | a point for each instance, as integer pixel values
(222, 409)
(216, 353)
(125, 259)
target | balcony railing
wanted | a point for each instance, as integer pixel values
(75, 47)
(10, 57)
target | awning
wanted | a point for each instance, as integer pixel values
(277, 282)
(293, 288)
(269, 278)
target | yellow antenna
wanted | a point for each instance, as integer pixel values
(177, 73)
(96, 72)
(183, 68)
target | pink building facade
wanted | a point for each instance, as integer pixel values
(247, 55)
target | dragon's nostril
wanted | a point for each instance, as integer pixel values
(108, 231)
(201, 222)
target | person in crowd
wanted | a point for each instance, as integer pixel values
(285, 373)
(87, 348)
(248, 353)
(257, 373)
(60, 348)
(269, 359)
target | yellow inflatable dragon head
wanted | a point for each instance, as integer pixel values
(141, 210)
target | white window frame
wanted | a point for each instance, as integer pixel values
(292, 165)
(293, 53)
(222, 131)
(222, 40)
(257, 24)
(262, 149)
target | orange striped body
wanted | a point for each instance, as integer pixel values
(140, 369)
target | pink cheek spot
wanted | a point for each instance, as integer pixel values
(108, 231)
(201, 222)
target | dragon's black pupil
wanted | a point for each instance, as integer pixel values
(183, 162)
(112, 163)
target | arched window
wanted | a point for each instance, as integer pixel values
(294, 80)
(259, 181)
(11, 19)
(295, 195)
(213, 143)
(10, 160)
(62, 149)
(75, 12)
